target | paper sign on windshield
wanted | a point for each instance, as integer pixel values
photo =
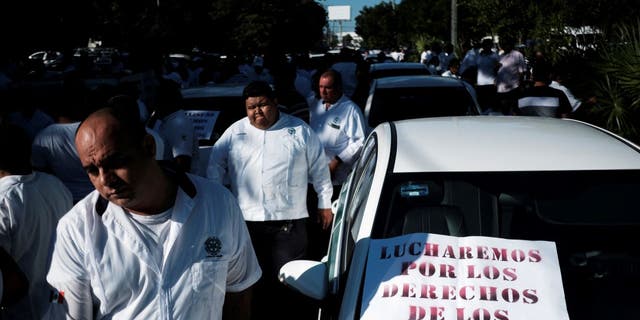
(424, 276)
(203, 122)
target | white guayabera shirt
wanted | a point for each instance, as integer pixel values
(101, 256)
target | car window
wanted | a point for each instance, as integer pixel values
(409, 103)
(363, 178)
(337, 235)
(342, 242)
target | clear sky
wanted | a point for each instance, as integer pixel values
(356, 6)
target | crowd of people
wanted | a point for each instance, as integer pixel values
(505, 80)
(104, 212)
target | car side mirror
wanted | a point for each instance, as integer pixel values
(306, 276)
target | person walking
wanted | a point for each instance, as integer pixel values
(151, 242)
(269, 158)
(540, 99)
(31, 203)
(509, 78)
(339, 123)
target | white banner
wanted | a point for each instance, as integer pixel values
(435, 277)
(203, 122)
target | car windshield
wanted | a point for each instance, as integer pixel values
(409, 103)
(592, 216)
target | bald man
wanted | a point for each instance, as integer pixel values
(150, 242)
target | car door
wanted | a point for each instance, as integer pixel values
(350, 208)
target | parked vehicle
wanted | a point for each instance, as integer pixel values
(224, 99)
(408, 97)
(49, 58)
(381, 70)
(525, 178)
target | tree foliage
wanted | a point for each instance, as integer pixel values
(217, 25)
(378, 25)
(618, 82)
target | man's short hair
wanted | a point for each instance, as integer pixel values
(258, 89)
(336, 76)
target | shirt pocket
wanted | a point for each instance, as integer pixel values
(297, 162)
(333, 129)
(208, 280)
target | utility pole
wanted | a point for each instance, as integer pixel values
(454, 23)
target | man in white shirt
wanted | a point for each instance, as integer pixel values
(270, 158)
(175, 128)
(31, 203)
(152, 242)
(509, 77)
(339, 123)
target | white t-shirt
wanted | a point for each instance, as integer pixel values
(512, 67)
(486, 64)
(30, 207)
(100, 252)
(179, 137)
(575, 103)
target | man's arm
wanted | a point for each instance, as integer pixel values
(218, 157)
(15, 284)
(237, 305)
(320, 177)
(68, 274)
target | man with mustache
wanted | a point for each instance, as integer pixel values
(151, 242)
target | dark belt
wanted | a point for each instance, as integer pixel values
(282, 224)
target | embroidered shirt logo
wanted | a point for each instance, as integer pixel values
(335, 123)
(213, 245)
(292, 131)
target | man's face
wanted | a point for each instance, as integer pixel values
(116, 167)
(261, 111)
(328, 91)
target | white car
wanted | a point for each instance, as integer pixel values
(506, 177)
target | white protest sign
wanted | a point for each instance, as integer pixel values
(203, 122)
(424, 276)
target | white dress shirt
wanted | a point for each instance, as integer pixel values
(101, 252)
(30, 207)
(269, 170)
(341, 131)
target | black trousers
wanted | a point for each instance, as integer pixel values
(276, 243)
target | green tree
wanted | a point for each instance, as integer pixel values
(378, 26)
(618, 84)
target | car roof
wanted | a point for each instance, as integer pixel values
(217, 90)
(410, 81)
(505, 143)
(396, 65)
